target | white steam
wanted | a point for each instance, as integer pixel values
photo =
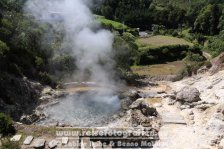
(92, 49)
(90, 46)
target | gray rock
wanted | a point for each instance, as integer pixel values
(39, 143)
(184, 107)
(125, 103)
(203, 106)
(47, 91)
(221, 144)
(147, 110)
(136, 104)
(188, 94)
(28, 140)
(157, 105)
(16, 138)
(53, 144)
(216, 123)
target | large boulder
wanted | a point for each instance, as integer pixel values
(188, 94)
(144, 107)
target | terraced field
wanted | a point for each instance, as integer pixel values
(159, 41)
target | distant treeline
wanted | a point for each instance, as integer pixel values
(203, 16)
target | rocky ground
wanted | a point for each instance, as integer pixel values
(184, 114)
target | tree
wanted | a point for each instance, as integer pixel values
(208, 19)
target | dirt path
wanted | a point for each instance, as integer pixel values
(177, 132)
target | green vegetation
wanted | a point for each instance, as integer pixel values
(194, 20)
(171, 68)
(6, 124)
(109, 23)
(7, 144)
(159, 41)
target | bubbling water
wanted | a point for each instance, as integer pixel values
(83, 109)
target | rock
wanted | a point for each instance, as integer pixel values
(147, 109)
(29, 119)
(216, 123)
(16, 138)
(182, 107)
(47, 91)
(53, 144)
(64, 140)
(202, 70)
(28, 140)
(132, 95)
(136, 104)
(161, 92)
(39, 143)
(203, 106)
(191, 117)
(157, 105)
(221, 144)
(188, 94)
(125, 103)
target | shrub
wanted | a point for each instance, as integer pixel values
(45, 78)
(39, 62)
(3, 49)
(6, 124)
(194, 57)
(7, 144)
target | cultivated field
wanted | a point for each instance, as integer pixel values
(171, 68)
(159, 40)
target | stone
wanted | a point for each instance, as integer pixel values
(216, 123)
(157, 105)
(28, 140)
(221, 144)
(16, 138)
(131, 94)
(125, 103)
(64, 140)
(136, 104)
(182, 107)
(39, 143)
(191, 117)
(47, 91)
(203, 106)
(147, 109)
(53, 144)
(188, 94)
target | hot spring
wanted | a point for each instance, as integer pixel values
(83, 109)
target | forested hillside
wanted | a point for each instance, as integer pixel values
(199, 19)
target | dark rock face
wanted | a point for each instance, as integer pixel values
(131, 94)
(145, 108)
(188, 94)
(18, 96)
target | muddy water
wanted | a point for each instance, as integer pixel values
(83, 109)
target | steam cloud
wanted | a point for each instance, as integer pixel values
(89, 45)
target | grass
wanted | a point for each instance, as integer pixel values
(171, 68)
(160, 40)
(114, 24)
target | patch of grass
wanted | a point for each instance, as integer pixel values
(160, 40)
(171, 68)
(113, 24)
